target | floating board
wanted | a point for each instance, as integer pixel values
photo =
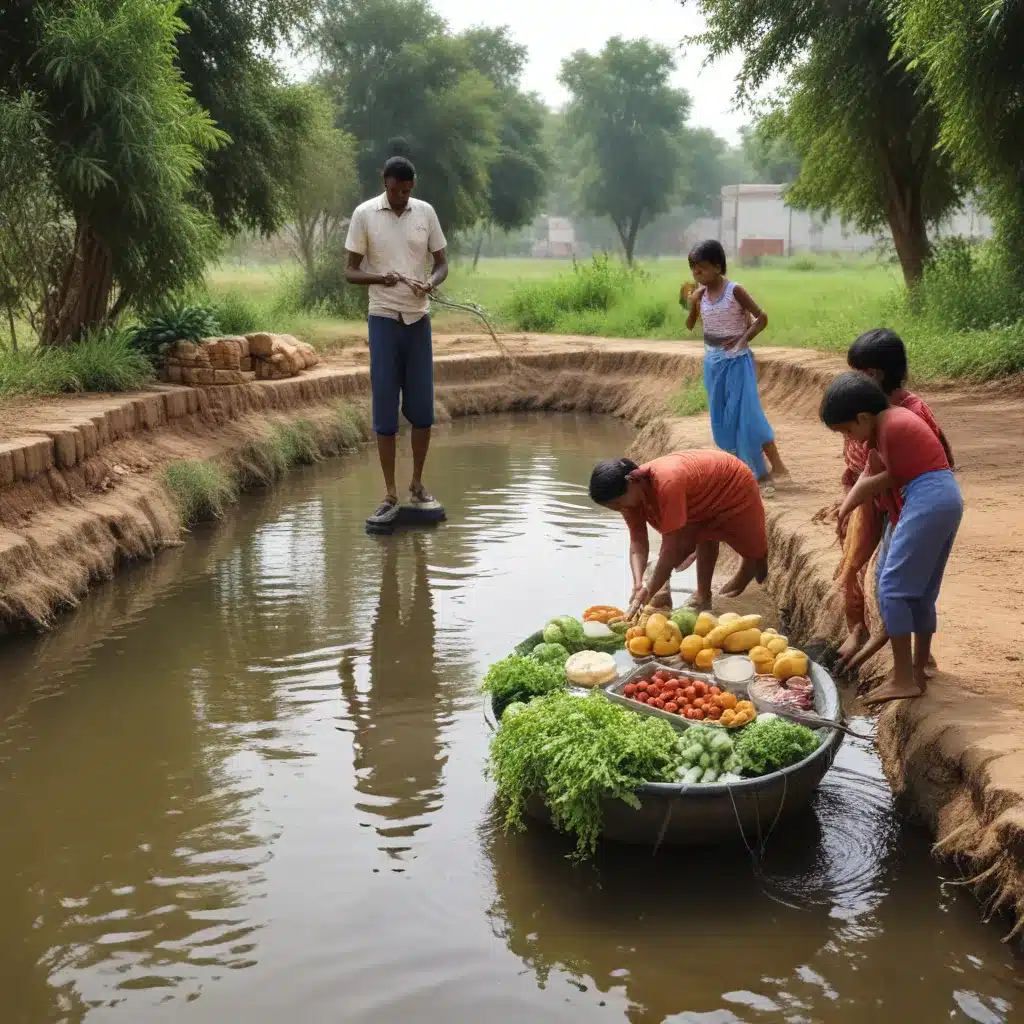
(420, 514)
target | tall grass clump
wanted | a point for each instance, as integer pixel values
(590, 288)
(237, 313)
(105, 360)
(201, 490)
(690, 399)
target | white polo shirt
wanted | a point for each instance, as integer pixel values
(387, 241)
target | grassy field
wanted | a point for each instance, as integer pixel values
(812, 302)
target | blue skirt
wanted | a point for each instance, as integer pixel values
(738, 423)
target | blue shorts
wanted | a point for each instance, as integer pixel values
(401, 361)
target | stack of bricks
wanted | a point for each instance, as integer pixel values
(213, 361)
(238, 360)
(276, 356)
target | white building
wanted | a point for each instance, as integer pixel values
(756, 221)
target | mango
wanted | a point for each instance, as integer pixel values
(776, 644)
(640, 646)
(655, 627)
(742, 640)
(691, 646)
(790, 663)
(666, 648)
(706, 658)
(704, 624)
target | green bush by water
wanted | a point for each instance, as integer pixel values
(201, 490)
(104, 361)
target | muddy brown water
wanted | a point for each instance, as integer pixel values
(244, 781)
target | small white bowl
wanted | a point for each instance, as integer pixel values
(733, 672)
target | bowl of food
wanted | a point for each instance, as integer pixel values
(734, 672)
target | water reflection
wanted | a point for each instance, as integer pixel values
(836, 921)
(397, 719)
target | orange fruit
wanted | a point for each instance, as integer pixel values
(640, 646)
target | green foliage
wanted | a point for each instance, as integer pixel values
(201, 490)
(969, 52)
(592, 286)
(518, 678)
(769, 745)
(575, 753)
(105, 360)
(173, 322)
(690, 399)
(858, 115)
(627, 120)
(324, 288)
(225, 56)
(771, 155)
(405, 85)
(123, 141)
(550, 654)
(237, 313)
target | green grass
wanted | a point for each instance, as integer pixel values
(690, 399)
(820, 302)
(104, 361)
(203, 489)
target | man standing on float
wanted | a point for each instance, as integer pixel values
(389, 239)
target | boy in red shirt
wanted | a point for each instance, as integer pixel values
(913, 464)
(880, 354)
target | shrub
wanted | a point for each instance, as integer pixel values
(201, 490)
(326, 291)
(105, 360)
(238, 314)
(173, 323)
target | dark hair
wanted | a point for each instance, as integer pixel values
(610, 479)
(710, 251)
(400, 168)
(880, 349)
(849, 395)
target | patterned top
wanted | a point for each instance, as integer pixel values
(724, 320)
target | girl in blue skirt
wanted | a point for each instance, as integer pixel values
(731, 319)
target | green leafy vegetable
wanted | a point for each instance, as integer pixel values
(768, 746)
(576, 752)
(685, 619)
(529, 643)
(550, 654)
(518, 678)
(564, 630)
(705, 755)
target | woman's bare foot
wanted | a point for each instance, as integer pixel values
(868, 651)
(699, 602)
(737, 584)
(857, 638)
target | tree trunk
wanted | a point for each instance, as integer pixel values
(906, 222)
(81, 302)
(14, 330)
(479, 246)
(628, 230)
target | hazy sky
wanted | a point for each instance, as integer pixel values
(552, 29)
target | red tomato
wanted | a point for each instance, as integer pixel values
(688, 713)
(672, 706)
(698, 714)
(690, 692)
(642, 687)
(659, 703)
(629, 689)
(714, 713)
(714, 690)
(701, 689)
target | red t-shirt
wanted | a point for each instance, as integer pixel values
(855, 453)
(908, 446)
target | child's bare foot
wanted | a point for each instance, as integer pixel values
(699, 602)
(895, 688)
(857, 638)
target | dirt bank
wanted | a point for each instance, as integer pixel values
(81, 491)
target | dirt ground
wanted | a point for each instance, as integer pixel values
(958, 752)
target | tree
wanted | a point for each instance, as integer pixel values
(223, 53)
(406, 86)
(122, 141)
(969, 52)
(860, 118)
(628, 120)
(518, 167)
(772, 157)
(323, 184)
